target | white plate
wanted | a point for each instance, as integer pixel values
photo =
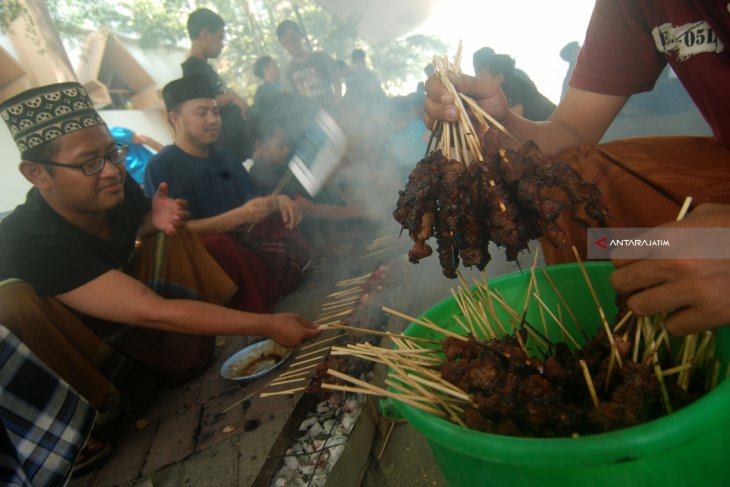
(254, 361)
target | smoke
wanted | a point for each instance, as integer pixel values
(381, 20)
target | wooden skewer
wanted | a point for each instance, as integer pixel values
(474, 106)
(376, 332)
(663, 388)
(337, 306)
(383, 392)
(685, 208)
(314, 352)
(283, 393)
(367, 385)
(328, 317)
(562, 300)
(296, 373)
(385, 440)
(589, 382)
(277, 383)
(320, 342)
(352, 280)
(601, 313)
(676, 370)
(278, 189)
(313, 359)
(345, 292)
(424, 324)
(326, 326)
(557, 321)
(394, 351)
(623, 321)
(248, 396)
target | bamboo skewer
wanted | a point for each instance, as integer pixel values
(425, 324)
(313, 359)
(320, 342)
(246, 397)
(376, 332)
(314, 352)
(410, 400)
(562, 300)
(288, 381)
(557, 321)
(328, 317)
(355, 280)
(297, 373)
(601, 313)
(589, 382)
(283, 393)
(346, 292)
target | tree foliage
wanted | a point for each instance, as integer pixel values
(250, 32)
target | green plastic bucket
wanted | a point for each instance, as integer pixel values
(690, 447)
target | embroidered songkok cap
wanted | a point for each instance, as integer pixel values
(186, 88)
(40, 115)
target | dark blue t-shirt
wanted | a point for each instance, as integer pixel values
(211, 185)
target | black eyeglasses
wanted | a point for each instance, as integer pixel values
(116, 156)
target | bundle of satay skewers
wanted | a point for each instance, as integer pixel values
(478, 184)
(510, 378)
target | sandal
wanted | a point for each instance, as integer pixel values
(93, 454)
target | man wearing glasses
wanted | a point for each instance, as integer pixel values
(72, 246)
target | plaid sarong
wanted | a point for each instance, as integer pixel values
(44, 422)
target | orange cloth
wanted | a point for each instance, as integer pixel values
(644, 182)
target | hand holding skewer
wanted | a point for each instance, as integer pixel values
(440, 104)
(694, 291)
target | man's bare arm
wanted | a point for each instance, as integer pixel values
(114, 296)
(253, 211)
(582, 117)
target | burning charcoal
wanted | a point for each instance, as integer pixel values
(291, 463)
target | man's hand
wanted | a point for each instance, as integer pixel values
(439, 103)
(257, 209)
(168, 214)
(694, 291)
(291, 212)
(290, 329)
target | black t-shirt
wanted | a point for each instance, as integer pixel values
(234, 133)
(38, 246)
(522, 90)
(194, 66)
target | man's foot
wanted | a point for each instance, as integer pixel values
(93, 454)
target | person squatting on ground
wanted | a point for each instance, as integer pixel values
(252, 236)
(85, 299)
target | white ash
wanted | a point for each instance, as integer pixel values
(323, 436)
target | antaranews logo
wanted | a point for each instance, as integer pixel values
(658, 243)
(604, 243)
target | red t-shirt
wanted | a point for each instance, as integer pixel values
(629, 42)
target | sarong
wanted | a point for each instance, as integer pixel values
(283, 253)
(175, 267)
(43, 422)
(644, 182)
